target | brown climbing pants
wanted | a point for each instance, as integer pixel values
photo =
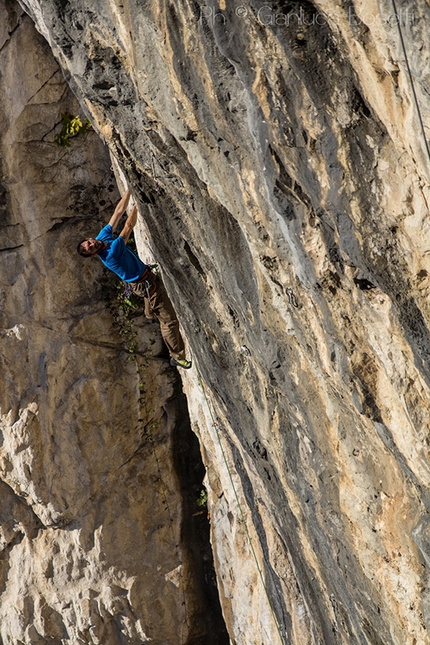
(157, 303)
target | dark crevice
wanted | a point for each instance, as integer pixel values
(57, 71)
(364, 284)
(195, 532)
(11, 248)
(193, 259)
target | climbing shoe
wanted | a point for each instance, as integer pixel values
(181, 362)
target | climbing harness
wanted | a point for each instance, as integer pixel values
(217, 429)
(148, 280)
(411, 80)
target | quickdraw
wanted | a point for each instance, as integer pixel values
(291, 297)
(153, 174)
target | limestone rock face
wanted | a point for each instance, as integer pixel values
(281, 170)
(98, 464)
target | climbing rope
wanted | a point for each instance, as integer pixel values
(239, 505)
(411, 80)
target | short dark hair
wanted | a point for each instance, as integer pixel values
(81, 251)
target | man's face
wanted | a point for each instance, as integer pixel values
(92, 246)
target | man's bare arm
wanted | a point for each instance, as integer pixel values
(129, 225)
(120, 210)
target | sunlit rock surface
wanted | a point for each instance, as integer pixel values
(101, 540)
(280, 166)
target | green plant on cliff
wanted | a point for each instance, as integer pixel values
(71, 126)
(125, 307)
(203, 498)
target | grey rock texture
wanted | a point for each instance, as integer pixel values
(99, 470)
(278, 160)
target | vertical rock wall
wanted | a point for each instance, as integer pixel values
(99, 471)
(277, 156)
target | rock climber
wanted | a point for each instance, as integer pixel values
(117, 257)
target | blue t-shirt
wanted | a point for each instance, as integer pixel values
(118, 258)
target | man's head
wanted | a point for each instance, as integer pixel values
(89, 247)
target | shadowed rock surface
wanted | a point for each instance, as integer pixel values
(282, 176)
(100, 472)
